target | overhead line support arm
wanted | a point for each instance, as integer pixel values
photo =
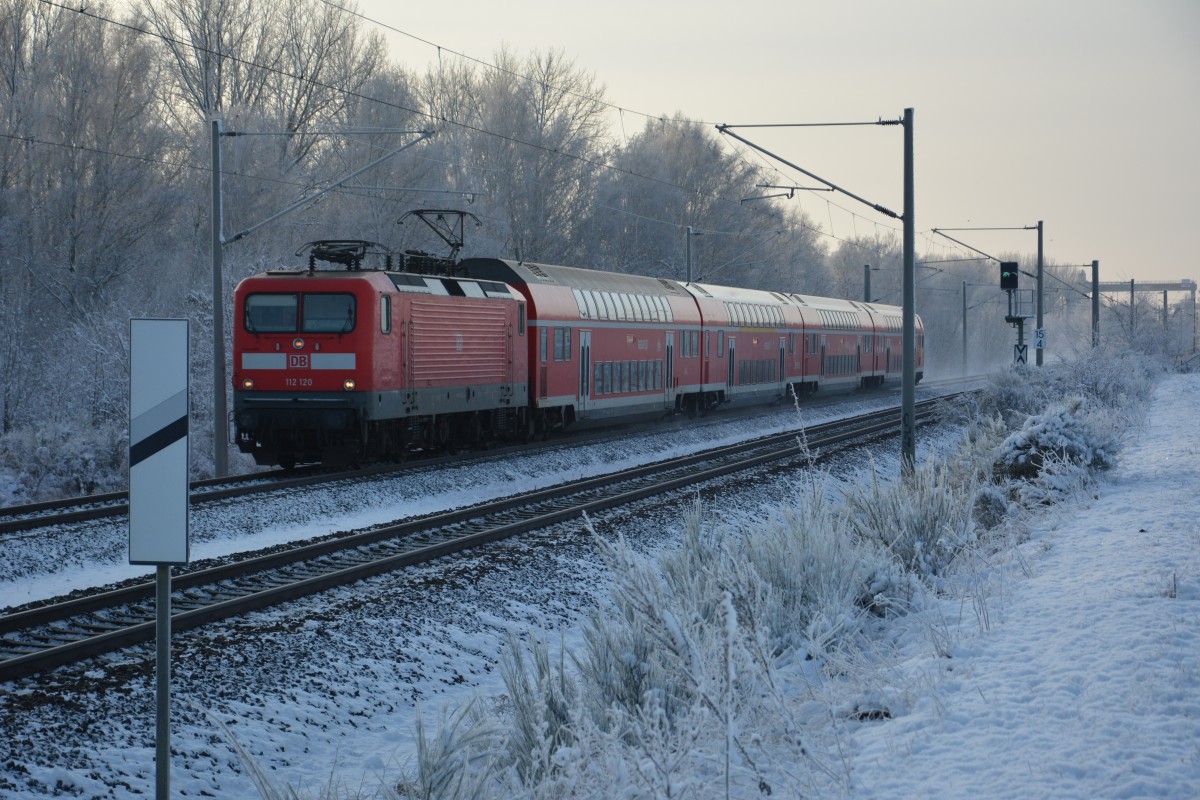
(725, 129)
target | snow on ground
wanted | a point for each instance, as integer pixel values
(1088, 682)
(334, 680)
(1076, 674)
(49, 562)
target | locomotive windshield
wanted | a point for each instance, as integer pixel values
(271, 313)
(282, 313)
(328, 313)
(318, 313)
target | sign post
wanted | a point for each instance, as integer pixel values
(158, 488)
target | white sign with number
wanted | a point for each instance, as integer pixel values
(1039, 338)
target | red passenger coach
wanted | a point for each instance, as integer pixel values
(602, 345)
(340, 365)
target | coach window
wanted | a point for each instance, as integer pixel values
(608, 305)
(271, 313)
(583, 314)
(562, 344)
(627, 301)
(328, 313)
(385, 313)
(720, 344)
(642, 309)
(616, 301)
(543, 337)
(589, 305)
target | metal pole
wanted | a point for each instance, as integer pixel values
(908, 432)
(688, 250)
(1041, 266)
(220, 423)
(162, 756)
(1095, 304)
(1165, 315)
(964, 352)
(1132, 310)
(866, 283)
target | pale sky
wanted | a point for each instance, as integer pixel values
(1084, 114)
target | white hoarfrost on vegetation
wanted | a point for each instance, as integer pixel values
(973, 630)
(747, 659)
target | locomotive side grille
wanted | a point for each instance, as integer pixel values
(462, 344)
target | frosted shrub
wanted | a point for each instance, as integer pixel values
(458, 762)
(816, 579)
(923, 521)
(542, 697)
(645, 652)
(1114, 379)
(58, 461)
(1066, 430)
(990, 507)
(1058, 479)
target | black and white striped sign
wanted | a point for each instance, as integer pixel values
(158, 441)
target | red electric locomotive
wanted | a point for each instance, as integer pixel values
(339, 365)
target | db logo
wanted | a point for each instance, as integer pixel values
(297, 360)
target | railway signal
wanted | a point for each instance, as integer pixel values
(1009, 275)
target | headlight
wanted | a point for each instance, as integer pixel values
(247, 383)
(298, 343)
(348, 384)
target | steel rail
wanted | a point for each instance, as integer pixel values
(25, 648)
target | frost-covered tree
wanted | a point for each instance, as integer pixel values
(541, 137)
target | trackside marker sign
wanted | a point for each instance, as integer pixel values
(158, 441)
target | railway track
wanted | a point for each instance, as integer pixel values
(20, 519)
(52, 635)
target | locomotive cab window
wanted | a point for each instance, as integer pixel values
(328, 313)
(271, 313)
(385, 313)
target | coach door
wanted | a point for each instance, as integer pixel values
(670, 363)
(585, 368)
(732, 361)
(782, 360)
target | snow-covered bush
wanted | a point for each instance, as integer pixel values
(923, 521)
(1058, 479)
(458, 762)
(542, 696)
(1117, 380)
(57, 460)
(814, 578)
(990, 507)
(1069, 430)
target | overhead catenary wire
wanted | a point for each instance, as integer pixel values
(84, 11)
(796, 222)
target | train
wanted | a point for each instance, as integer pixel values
(346, 361)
